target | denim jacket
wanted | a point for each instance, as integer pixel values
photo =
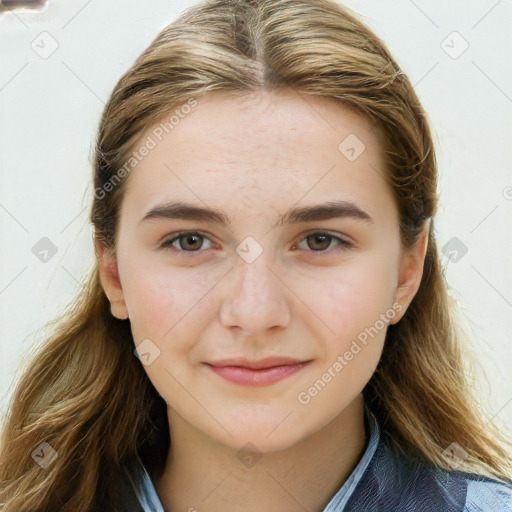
(382, 481)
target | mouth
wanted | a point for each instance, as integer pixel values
(257, 373)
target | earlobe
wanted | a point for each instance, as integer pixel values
(109, 277)
(411, 272)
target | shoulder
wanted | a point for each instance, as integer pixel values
(487, 494)
(395, 482)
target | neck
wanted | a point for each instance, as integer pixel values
(201, 474)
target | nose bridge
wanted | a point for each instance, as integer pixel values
(253, 274)
(257, 299)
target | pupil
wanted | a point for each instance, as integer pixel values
(191, 237)
(316, 238)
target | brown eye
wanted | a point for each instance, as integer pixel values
(185, 242)
(190, 242)
(321, 242)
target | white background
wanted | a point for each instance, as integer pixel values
(50, 110)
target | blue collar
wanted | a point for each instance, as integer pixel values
(150, 502)
(340, 499)
(383, 479)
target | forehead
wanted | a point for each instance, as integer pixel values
(264, 146)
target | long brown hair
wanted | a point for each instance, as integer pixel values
(87, 395)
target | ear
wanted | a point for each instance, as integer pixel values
(109, 277)
(411, 272)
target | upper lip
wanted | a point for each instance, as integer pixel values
(268, 362)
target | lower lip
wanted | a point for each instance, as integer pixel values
(256, 378)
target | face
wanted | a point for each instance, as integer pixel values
(256, 282)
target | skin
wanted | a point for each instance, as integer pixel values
(254, 158)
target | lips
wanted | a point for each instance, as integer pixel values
(256, 373)
(268, 362)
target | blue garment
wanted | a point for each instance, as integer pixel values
(382, 481)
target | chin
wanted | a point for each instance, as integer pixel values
(258, 442)
(264, 436)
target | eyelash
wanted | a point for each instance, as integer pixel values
(167, 244)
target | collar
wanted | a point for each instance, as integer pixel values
(150, 502)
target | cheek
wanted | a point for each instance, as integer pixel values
(355, 296)
(353, 305)
(163, 303)
(152, 310)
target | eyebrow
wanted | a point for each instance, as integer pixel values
(297, 215)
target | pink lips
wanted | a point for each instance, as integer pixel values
(256, 373)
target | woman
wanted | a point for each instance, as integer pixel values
(267, 325)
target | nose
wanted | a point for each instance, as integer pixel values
(256, 298)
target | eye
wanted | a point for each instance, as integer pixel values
(319, 242)
(190, 241)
